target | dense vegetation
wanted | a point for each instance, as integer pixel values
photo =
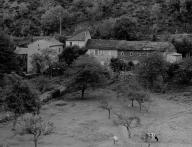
(33, 17)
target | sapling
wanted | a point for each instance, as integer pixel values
(105, 105)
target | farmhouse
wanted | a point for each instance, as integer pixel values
(37, 47)
(104, 50)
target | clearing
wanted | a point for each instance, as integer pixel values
(81, 123)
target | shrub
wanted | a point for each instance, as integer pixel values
(42, 83)
(118, 65)
(55, 93)
(56, 69)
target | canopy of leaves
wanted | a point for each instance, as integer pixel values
(7, 55)
(151, 68)
(42, 61)
(118, 65)
(125, 29)
(182, 73)
(21, 98)
(88, 73)
(23, 17)
(51, 19)
(70, 54)
(182, 43)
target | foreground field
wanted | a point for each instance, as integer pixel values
(84, 124)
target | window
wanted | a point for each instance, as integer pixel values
(96, 52)
(122, 53)
(131, 53)
(101, 52)
(59, 50)
(139, 54)
(70, 43)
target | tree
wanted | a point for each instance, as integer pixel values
(183, 74)
(125, 28)
(88, 73)
(20, 99)
(150, 69)
(104, 30)
(183, 45)
(70, 54)
(128, 122)
(7, 56)
(105, 105)
(141, 97)
(35, 126)
(54, 18)
(42, 61)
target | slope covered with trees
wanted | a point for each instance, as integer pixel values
(33, 17)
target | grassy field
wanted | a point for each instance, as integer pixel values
(82, 123)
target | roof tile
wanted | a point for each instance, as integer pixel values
(129, 45)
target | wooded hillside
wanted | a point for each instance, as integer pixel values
(149, 17)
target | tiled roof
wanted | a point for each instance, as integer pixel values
(54, 42)
(78, 36)
(49, 41)
(129, 45)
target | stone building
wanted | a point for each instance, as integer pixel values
(104, 50)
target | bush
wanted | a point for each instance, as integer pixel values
(55, 93)
(42, 83)
(118, 65)
(56, 69)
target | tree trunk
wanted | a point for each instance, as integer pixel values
(132, 103)
(109, 113)
(35, 142)
(14, 122)
(140, 106)
(82, 93)
(129, 132)
(60, 22)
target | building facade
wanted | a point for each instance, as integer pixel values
(104, 50)
(79, 39)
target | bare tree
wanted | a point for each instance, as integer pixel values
(35, 126)
(105, 105)
(128, 122)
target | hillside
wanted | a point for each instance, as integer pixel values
(33, 17)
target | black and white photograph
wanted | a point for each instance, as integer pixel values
(95, 73)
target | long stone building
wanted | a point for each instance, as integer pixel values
(104, 50)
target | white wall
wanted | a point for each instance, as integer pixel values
(79, 43)
(173, 58)
(103, 56)
(76, 43)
